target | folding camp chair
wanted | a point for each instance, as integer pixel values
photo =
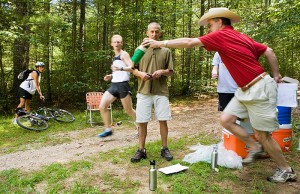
(93, 100)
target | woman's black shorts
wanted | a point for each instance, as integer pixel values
(24, 94)
(120, 89)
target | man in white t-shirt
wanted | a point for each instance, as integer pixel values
(226, 85)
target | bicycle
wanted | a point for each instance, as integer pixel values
(38, 120)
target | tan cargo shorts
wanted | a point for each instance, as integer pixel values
(258, 103)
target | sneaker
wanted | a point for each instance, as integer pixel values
(263, 155)
(252, 156)
(166, 154)
(21, 112)
(139, 154)
(282, 176)
(14, 121)
(105, 134)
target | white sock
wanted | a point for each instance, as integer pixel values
(108, 130)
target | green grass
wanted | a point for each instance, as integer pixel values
(14, 138)
(197, 179)
(91, 175)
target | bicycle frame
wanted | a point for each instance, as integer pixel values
(46, 112)
(57, 114)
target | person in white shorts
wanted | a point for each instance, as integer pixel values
(257, 93)
(152, 72)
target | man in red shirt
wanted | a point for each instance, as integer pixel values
(257, 93)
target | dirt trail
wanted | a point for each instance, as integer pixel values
(187, 120)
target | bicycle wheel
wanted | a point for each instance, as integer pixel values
(31, 122)
(63, 116)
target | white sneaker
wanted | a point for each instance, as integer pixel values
(252, 156)
(282, 176)
(14, 121)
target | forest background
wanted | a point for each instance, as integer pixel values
(72, 37)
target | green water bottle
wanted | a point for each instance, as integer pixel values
(138, 54)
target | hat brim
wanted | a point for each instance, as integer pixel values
(218, 13)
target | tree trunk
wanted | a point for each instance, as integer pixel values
(97, 61)
(201, 50)
(173, 33)
(74, 38)
(21, 43)
(189, 51)
(46, 56)
(81, 61)
(104, 61)
(2, 73)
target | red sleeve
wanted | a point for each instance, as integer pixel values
(211, 41)
(260, 49)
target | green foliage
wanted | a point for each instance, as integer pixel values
(13, 136)
(79, 188)
(53, 175)
(76, 67)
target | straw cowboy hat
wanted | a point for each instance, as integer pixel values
(218, 12)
